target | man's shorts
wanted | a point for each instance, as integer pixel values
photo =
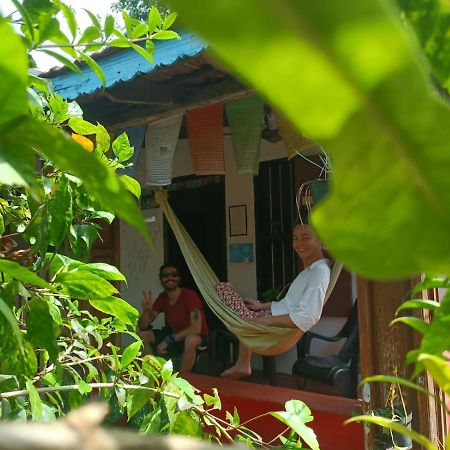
(177, 348)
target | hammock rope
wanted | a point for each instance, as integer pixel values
(261, 339)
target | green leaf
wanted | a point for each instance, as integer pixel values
(20, 273)
(13, 67)
(85, 285)
(50, 30)
(188, 390)
(2, 225)
(102, 140)
(63, 60)
(35, 401)
(12, 322)
(29, 29)
(130, 353)
(106, 271)
(121, 147)
(132, 185)
(139, 31)
(143, 52)
(83, 387)
(94, 67)
(150, 46)
(90, 34)
(295, 416)
(83, 127)
(60, 209)
(117, 307)
(439, 370)
(167, 370)
(347, 77)
(40, 327)
(431, 283)
(169, 20)
(422, 304)
(69, 16)
(414, 322)
(165, 35)
(121, 43)
(136, 399)
(154, 19)
(16, 167)
(401, 381)
(395, 426)
(94, 19)
(59, 108)
(109, 25)
(127, 22)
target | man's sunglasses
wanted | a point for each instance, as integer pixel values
(169, 274)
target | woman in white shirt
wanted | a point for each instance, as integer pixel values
(301, 307)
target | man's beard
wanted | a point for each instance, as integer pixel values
(171, 288)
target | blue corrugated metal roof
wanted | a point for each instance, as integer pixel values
(125, 65)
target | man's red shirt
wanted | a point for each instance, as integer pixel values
(178, 315)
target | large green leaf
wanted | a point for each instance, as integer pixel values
(60, 209)
(100, 181)
(85, 285)
(20, 273)
(103, 270)
(395, 426)
(343, 72)
(297, 414)
(130, 353)
(12, 323)
(14, 77)
(40, 327)
(118, 308)
(431, 21)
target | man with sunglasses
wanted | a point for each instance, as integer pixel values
(186, 327)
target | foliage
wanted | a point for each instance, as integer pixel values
(139, 9)
(59, 182)
(432, 355)
(346, 76)
(430, 21)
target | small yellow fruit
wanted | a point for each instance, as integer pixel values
(86, 143)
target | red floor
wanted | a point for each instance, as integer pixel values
(253, 399)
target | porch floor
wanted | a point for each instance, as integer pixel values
(254, 398)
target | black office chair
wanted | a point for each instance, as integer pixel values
(339, 370)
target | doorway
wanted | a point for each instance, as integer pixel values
(201, 210)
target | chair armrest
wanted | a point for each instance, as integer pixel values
(335, 338)
(304, 344)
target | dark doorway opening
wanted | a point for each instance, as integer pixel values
(201, 210)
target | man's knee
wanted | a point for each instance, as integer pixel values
(147, 336)
(191, 342)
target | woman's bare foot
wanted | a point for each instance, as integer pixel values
(236, 372)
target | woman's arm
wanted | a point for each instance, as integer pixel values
(256, 305)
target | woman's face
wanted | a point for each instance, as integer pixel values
(305, 242)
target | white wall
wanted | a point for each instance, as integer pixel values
(139, 263)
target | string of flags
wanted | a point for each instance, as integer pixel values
(205, 135)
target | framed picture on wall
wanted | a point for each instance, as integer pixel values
(237, 216)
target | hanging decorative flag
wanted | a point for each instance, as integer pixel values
(245, 117)
(294, 141)
(205, 133)
(160, 141)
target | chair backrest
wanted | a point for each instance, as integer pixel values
(351, 332)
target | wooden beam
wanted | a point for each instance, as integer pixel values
(384, 349)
